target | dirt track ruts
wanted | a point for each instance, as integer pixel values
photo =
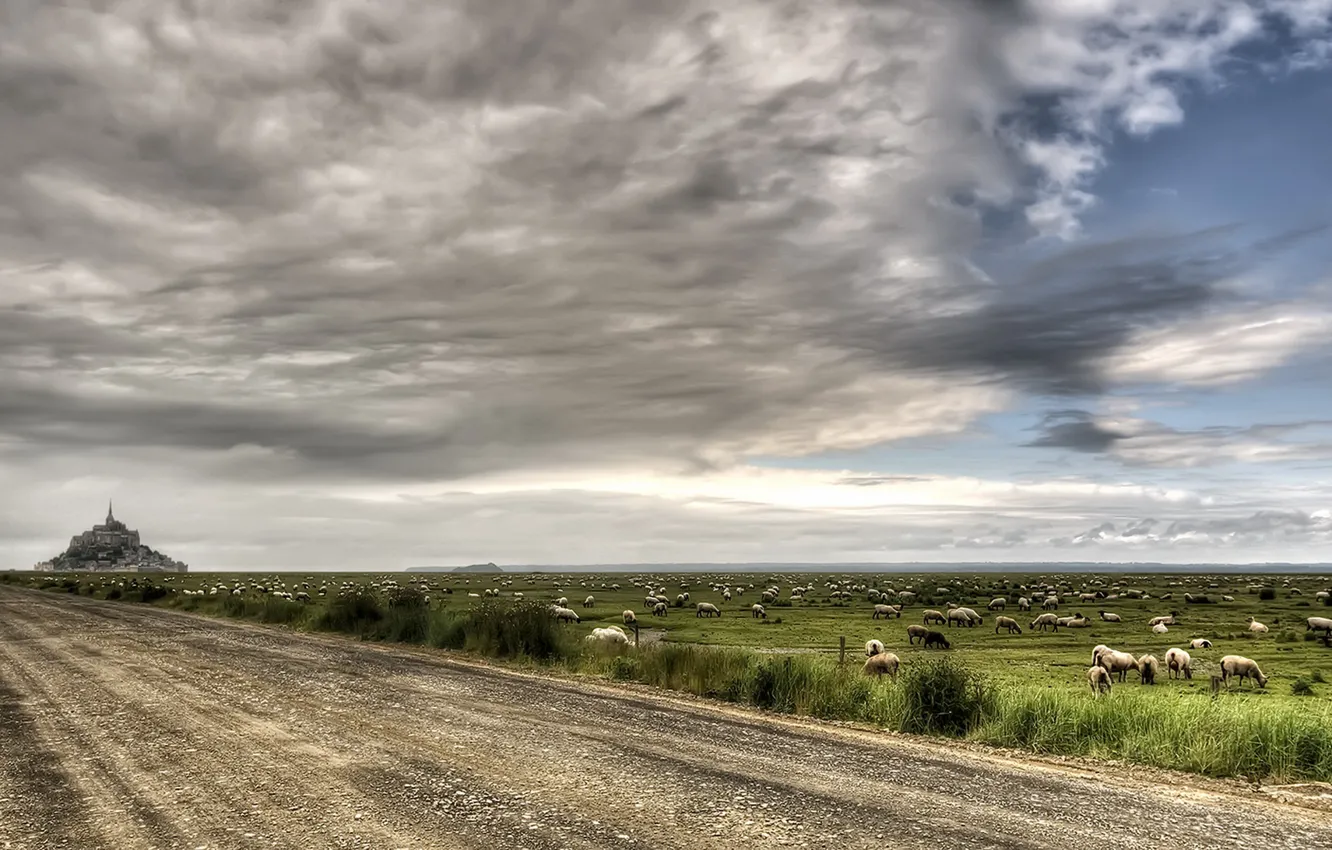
(132, 727)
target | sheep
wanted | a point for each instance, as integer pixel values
(1243, 668)
(1257, 627)
(933, 638)
(997, 604)
(1160, 629)
(650, 602)
(1077, 621)
(1117, 662)
(1006, 623)
(629, 617)
(972, 615)
(886, 611)
(566, 615)
(1044, 621)
(1148, 667)
(1227, 599)
(1024, 604)
(706, 609)
(914, 631)
(726, 595)
(589, 602)
(758, 612)
(562, 602)
(932, 616)
(1050, 603)
(873, 647)
(1178, 663)
(1200, 643)
(1099, 680)
(1164, 620)
(659, 610)
(1096, 653)
(1319, 624)
(883, 663)
(1109, 617)
(610, 634)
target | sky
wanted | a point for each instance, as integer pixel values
(368, 284)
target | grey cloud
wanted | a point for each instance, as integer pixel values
(1282, 527)
(1076, 430)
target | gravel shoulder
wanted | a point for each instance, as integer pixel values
(132, 727)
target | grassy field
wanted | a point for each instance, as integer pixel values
(1027, 691)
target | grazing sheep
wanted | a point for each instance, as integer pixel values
(566, 615)
(1243, 668)
(1200, 643)
(726, 595)
(914, 631)
(650, 602)
(886, 611)
(873, 647)
(1006, 623)
(1257, 627)
(1045, 621)
(1178, 663)
(1109, 617)
(1024, 604)
(610, 634)
(1099, 680)
(1117, 662)
(629, 617)
(1160, 629)
(758, 612)
(562, 602)
(1096, 653)
(883, 663)
(1050, 603)
(706, 609)
(997, 604)
(1148, 667)
(975, 618)
(589, 602)
(932, 616)
(659, 610)
(933, 638)
(1319, 624)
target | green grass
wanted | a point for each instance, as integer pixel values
(1025, 691)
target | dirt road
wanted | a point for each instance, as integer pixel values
(130, 727)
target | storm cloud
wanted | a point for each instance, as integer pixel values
(382, 244)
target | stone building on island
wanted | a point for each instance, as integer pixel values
(110, 547)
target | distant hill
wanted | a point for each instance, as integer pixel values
(471, 568)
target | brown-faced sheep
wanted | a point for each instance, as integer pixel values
(1242, 668)
(885, 663)
(932, 616)
(997, 604)
(1006, 623)
(1099, 680)
(886, 611)
(1116, 662)
(1045, 621)
(706, 609)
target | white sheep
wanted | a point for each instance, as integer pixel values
(1024, 604)
(1114, 661)
(566, 615)
(1319, 624)
(1045, 621)
(659, 610)
(886, 611)
(1099, 680)
(997, 603)
(1200, 643)
(1006, 623)
(1148, 667)
(610, 634)
(562, 602)
(589, 602)
(1243, 668)
(1110, 618)
(629, 617)
(1163, 620)
(1160, 629)
(706, 609)
(873, 647)
(1257, 627)
(758, 612)
(1178, 663)
(884, 663)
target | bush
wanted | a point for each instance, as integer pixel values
(1267, 594)
(1318, 677)
(278, 610)
(353, 611)
(943, 696)
(1301, 687)
(113, 593)
(524, 630)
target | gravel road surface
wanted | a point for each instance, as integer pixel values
(128, 727)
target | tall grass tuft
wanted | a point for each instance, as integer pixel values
(503, 630)
(943, 696)
(353, 611)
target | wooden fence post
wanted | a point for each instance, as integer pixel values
(841, 653)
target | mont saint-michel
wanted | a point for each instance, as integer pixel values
(110, 547)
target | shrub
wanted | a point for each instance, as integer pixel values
(353, 611)
(524, 630)
(278, 610)
(624, 668)
(1267, 594)
(405, 623)
(1301, 687)
(942, 696)
(113, 593)
(1318, 677)
(1288, 636)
